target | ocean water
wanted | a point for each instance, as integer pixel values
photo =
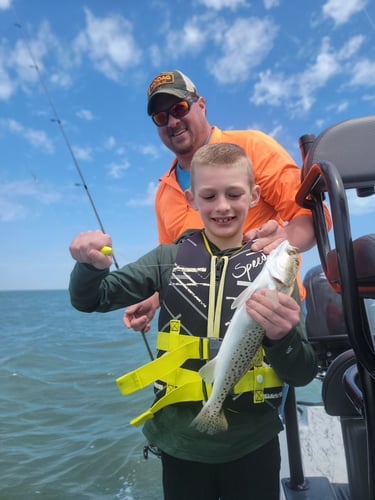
(64, 425)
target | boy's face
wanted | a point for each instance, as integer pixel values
(223, 197)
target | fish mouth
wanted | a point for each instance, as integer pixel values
(278, 281)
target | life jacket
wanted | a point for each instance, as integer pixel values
(193, 319)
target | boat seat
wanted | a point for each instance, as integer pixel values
(343, 398)
(335, 399)
(364, 257)
(325, 325)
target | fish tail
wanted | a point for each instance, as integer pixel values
(210, 421)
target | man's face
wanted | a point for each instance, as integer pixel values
(183, 135)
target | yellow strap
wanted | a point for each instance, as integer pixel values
(190, 388)
(259, 384)
(169, 341)
(182, 385)
(167, 367)
(260, 377)
(180, 377)
(188, 392)
(161, 367)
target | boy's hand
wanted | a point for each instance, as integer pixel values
(276, 312)
(139, 316)
(86, 248)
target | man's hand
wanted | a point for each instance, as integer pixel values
(276, 312)
(85, 248)
(268, 236)
(139, 316)
(299, 232)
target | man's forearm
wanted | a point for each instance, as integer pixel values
(300, 231)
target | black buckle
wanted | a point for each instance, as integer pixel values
(149, 448)
(213, 346)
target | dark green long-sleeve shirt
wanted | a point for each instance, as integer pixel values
(291, 357)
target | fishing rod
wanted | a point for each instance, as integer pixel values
(56, 119)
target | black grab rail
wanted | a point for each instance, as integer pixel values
(340, 158)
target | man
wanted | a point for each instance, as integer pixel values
(179, 113)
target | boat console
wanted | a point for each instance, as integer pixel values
(339, 314)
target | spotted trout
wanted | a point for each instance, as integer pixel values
(243, 338)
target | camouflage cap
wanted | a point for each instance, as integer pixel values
(170, 82)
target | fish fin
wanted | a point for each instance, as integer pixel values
(242, 298)
(207, 372)
(209, 421)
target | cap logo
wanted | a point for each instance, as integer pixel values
(158, 81)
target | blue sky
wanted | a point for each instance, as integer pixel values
(287, 67)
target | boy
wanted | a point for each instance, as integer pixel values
(244, 461)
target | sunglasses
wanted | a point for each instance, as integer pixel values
(177, 110)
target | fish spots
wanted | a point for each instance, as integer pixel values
(242, 340)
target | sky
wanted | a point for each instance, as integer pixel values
(73, 79)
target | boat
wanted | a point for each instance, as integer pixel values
(340, 317)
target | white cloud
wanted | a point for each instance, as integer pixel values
(147, 200)
(156, 55)
(369, 98)
(221, 4)
(325, 67)
(85, 114)
(244, 45)
(11, 210)
(110, 143)
(272, 89)
(339, 107)
(32, 56)
(364, 73)
(150, 150)
(232, 49)
(189, 38)
(270, 4)
(360, 206)
(37, 138)
(15, 197)
(351, 47)
(109, 43)
(7, 87)
(5, 4)
(116, 170)
(298, 91)
(342, 10)
(22, 65)
(82, 153)
(276, 131)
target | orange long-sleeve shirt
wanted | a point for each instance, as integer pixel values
(275, 171)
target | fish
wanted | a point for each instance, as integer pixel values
(242, 338)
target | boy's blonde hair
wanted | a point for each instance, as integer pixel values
(221, 154)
